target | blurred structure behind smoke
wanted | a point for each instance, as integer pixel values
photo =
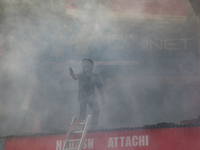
(149, 63)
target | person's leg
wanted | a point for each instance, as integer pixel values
(83, 107)
(93, 104)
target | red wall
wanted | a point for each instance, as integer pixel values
(187, 138)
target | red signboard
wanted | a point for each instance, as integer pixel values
(146, 139)
(156, 7)
(150, 9)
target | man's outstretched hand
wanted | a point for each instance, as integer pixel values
(74, 76)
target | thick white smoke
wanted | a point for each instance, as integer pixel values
(39, 42)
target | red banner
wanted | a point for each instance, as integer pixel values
(148, 9)
(146, 139)
(155, 7)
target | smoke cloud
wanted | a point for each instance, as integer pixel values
(148, 66)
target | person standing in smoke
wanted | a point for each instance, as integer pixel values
(86, 93)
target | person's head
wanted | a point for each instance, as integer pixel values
(87, 64)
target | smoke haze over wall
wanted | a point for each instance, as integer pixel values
(39, 42)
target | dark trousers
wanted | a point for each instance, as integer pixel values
(93, 104)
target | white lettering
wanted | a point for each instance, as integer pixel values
(128, 141)
(59, 145)
(146, 45)
(122, 141)
(110, 142)
(141, 141)
(85, 144)
(171, 44)
(135, 141)
(147, 140)
(167, 44)
(158, 46)
(116, 138)
(185, 42)
(90, 143)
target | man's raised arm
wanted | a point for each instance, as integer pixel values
(74, 76)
